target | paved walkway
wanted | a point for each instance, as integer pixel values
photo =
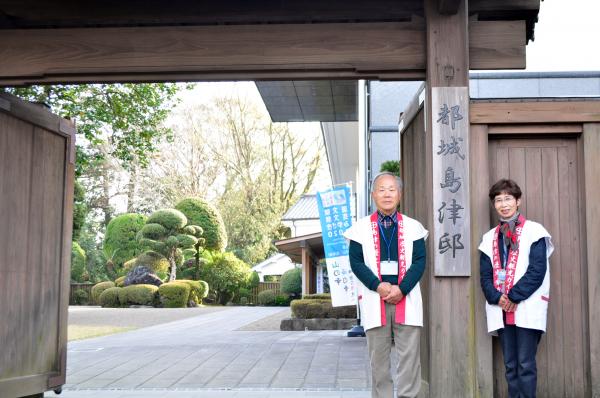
(206, 356)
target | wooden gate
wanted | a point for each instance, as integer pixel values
(549, 171)
(36, 196)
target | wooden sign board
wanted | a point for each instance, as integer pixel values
(451, 207)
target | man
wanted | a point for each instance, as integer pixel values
(515, 280)
(387, 255)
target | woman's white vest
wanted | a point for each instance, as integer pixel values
(370, 302)
(530, 313)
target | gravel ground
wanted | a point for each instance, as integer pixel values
(268, 324)
(133, 317)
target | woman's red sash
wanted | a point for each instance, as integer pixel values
(511, 265)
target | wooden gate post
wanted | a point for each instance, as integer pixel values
(451, 321)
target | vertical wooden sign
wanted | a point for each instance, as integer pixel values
(450, 145)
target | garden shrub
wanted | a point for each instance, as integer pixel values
(254, 280)
(243, 300)
(110, 297)
(99, 288)
(291, 282)
(80, 297)
(138, 295)
(174, 294)
(155, 261)
(320, 308)
(225, 274)
(201, 213)
(282, 300)
(266, 297)
(77, 263)
(120, 242)
(120, 281)
(198, 290)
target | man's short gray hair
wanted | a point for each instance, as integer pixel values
(387, 173)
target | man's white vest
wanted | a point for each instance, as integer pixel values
(370, 301)
(530, 313)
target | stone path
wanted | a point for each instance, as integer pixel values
(207, 356)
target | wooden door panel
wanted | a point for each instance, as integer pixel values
(547, 171)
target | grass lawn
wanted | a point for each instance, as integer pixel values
(80, 332)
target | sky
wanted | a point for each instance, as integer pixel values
(567, 37)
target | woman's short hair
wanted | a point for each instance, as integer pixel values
(507, 186)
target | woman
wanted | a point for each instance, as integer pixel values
(515, 280)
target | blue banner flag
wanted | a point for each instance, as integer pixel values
(335, 213)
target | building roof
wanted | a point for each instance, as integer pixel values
(293, 246)
(304, 209)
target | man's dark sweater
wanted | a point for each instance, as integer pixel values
(529, 282)
(370, 280)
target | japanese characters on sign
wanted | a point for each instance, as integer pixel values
(336, 217)
(450, 141)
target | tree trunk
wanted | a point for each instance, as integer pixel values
(173, 270)
(131, 189)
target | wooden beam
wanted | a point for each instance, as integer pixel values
(591, 149)
(535, 112)
(520, 129)
(390, 50)
(448, 7)
(497, 45)
(236, 51)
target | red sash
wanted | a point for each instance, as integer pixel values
(511, 265)
(401, 306)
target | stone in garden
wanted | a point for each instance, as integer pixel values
(142, 275)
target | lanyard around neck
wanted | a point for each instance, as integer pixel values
(387, 244)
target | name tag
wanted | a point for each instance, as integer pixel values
(389, 268)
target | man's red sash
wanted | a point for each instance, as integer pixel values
(511, 265)
(401, 306)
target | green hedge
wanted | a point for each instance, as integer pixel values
(170, 219)
(174, 294)
(99, 288)
(320, 308)
(318, 296)
(138, 295)
(110, 297)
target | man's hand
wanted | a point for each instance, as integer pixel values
(384, 289)
(395, 295)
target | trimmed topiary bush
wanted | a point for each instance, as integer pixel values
(80, 297)
(320, 308)
(155, 261)
(77, 263)
(110, 297)
(99, 288)
(317, 296)
(199, 290)
(201, 213)
(266, 297)
(120, 242)
(174, 294)
(138, 295)
(291, 282)
(119, 282)
(166, 233)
